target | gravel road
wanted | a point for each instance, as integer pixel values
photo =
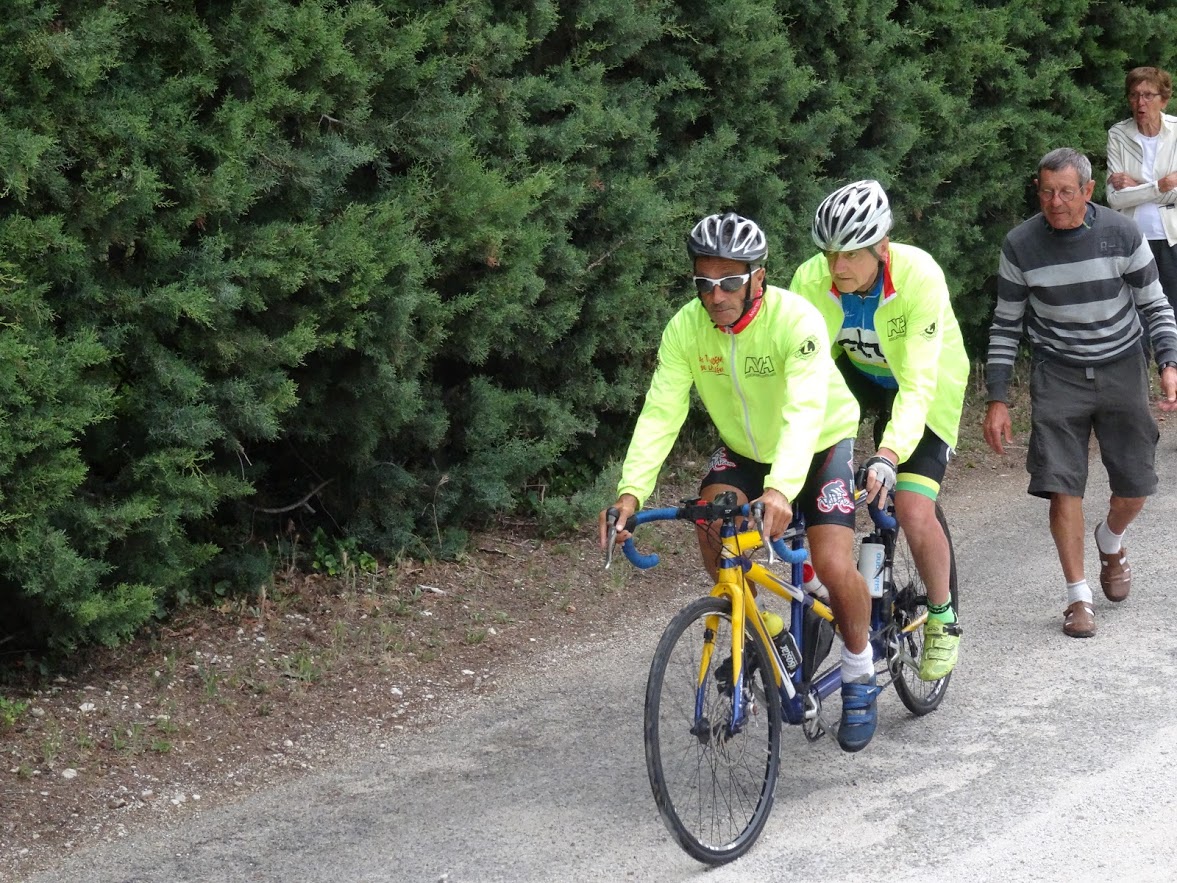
(1051, 758)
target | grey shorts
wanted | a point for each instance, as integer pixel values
(1068, 403)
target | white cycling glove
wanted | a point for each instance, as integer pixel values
(883, 470)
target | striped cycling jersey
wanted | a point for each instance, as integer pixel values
(1076, 294)
(859, 338)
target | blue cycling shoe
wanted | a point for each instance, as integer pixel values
(860, 715)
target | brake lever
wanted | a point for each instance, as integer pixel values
(758, 517)
(611, 521)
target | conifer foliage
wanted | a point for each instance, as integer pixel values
(383, 265)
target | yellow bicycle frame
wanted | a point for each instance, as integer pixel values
(735, 582)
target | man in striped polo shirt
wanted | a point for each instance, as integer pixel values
(1073, 280)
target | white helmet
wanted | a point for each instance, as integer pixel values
(728, 236)
(854, 216)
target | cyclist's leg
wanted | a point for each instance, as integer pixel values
(916, 489)
(827, 500)
(831, 546)
(906, 642)
(929, 545)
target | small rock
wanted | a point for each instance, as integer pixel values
(86, 707)
(70, 773)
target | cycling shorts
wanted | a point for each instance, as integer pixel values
(826, 498)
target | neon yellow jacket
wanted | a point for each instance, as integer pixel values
(771, 390)
(919, 338)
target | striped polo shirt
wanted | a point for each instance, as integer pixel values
(1075, 294)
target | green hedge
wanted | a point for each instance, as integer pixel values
(384, 266)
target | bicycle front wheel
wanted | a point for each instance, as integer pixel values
(713, 787)
(909, 604)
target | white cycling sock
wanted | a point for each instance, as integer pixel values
(857, 668)
(1108, 542)
(1079, 591)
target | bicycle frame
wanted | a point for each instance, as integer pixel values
(737, 574)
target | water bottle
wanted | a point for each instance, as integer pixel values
(811, 584)
(870, 563)
(783, 638)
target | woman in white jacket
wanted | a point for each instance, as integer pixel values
(1142, 168)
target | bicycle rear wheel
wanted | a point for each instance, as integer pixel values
(713, 788)
(909, 604)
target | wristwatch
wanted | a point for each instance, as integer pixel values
(1161, 367)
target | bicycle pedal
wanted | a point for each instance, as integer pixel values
(954, 629)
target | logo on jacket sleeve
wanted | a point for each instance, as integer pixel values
(896, 327)
(808, 348)
(929, 332)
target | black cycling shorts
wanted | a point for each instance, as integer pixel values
(826, 498)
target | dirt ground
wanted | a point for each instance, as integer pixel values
(219, 702)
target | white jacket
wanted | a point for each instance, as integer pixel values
(1125, 154)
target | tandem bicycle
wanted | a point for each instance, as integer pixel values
(716, 704)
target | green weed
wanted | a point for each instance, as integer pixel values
(11, 710)
(302, 666)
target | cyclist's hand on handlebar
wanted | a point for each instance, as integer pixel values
(880, 476)
(778, 514)
(999, 431)
(626, 506)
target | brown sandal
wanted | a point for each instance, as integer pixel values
(1115, 574)
(1079, 620)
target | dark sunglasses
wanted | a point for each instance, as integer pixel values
(704, 284)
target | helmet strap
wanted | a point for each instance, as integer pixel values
(751, 305)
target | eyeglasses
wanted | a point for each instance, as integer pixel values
(704, 284)
(1147, 96)
(1065, 195)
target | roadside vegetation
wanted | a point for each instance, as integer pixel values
(373, 276)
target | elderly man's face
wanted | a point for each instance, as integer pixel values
(1062, 200)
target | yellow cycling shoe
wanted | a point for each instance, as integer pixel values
(941, 646)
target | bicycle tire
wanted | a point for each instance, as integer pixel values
(909, 603)
(714, 793)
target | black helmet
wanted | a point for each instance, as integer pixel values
(728, 236)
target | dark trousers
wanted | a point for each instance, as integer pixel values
(1166, 258)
